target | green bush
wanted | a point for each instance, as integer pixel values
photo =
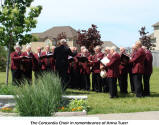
(41, 98)
(3, 59)
(73, 105)
(78, 105)
(7, 90)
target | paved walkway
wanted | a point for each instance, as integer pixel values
(153, 115)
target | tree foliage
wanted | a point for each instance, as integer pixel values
(61, 36)
(17, 21)
(145, 38)
(89, 38)
(3, 58)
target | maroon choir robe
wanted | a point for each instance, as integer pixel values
(113, 66)
(49, 62)
(138, 61)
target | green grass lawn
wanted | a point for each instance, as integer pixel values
(100, 103)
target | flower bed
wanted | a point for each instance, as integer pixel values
(73, 105)
(69, 106)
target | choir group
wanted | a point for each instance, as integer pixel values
(77, 69)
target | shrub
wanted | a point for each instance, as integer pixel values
(41, 98)
(3, 59)
(7, 90)
(78, 105)
(73, 105)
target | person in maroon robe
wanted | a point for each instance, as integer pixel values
(112, 69)
(16, 70)
(49, 61)
(123, 71)
(130, 70)
(74, 70)
(28, 62)
(95, 64)
(53, 49)
(105, 81)
(107, 52)
(38, 63)
(84, 70)
(148, 71)
(138, 69)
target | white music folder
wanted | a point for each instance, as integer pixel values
(105, 61)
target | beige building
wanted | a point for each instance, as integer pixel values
(155, 36)
(50, 37)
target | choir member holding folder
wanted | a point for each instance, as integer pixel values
(84, 69)
(112, 69)
(138, 68)
(38, 63)
(95, 63)
(27, 63)
(74, 71)
(49, 62)
(123, 71)
(16, 70)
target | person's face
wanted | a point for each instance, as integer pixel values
(97, 50)
(28, 49)
(122, 50)
(39, 50)
(18, 49)
(82, 49)
(107, 51)
(47, 48)
(85, 52)
(111, 51)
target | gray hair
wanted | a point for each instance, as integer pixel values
(63, 41)
(113, 48)
(17, 46)
(107, 48)
(98, 47)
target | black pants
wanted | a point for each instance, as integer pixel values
(146, 78)
(85, 81)
(105, 85)
(75, 79)
(132, 83)
(27, 75)
(97, 82)
(112, 87)
(65, 78)
(38, 74)
(123, 82)
(138, 85)
(16, 77)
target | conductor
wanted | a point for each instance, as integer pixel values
(61, 54)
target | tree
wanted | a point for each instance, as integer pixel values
(17, 18)
(61, 36)
(90, 38)
(2, 58)
(145, 39)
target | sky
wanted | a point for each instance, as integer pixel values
(118, 20)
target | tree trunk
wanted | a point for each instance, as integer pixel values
(7, 66)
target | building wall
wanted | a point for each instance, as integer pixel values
(156, 35)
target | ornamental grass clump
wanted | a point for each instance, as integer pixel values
(42, 98)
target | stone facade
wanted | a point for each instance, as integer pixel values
(155, 36)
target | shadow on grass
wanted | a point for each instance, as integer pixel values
(154, 94)
(76, 92)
